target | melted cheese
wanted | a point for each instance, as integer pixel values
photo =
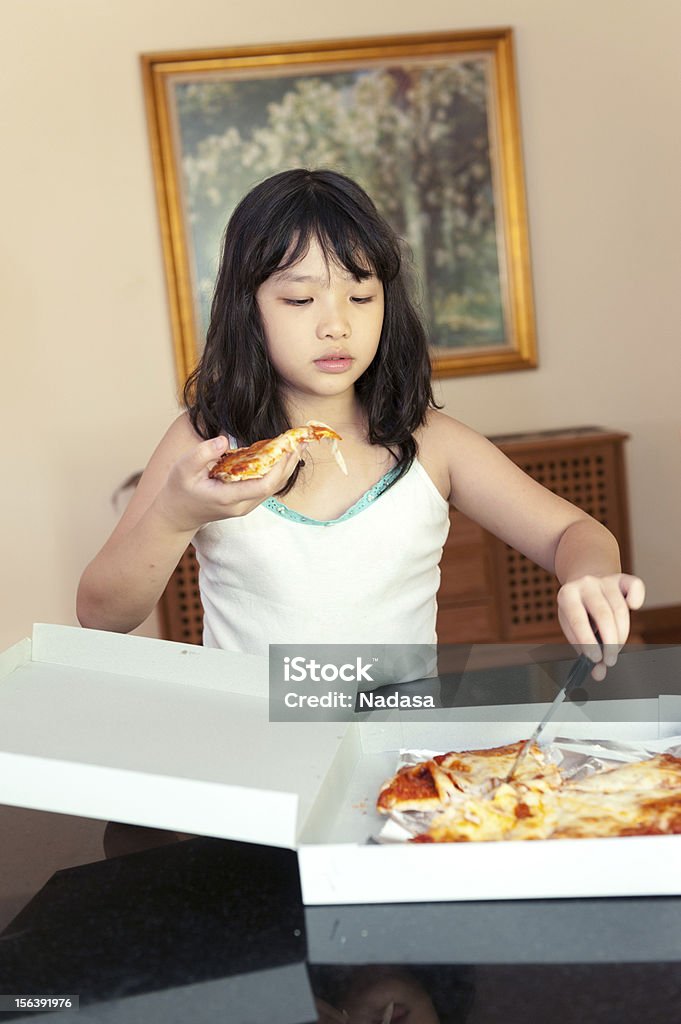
(510, 812)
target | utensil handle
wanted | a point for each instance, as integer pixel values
(581, 668)
(578, 673)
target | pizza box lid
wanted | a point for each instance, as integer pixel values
(148, 732)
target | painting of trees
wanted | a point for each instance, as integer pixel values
(415, 134)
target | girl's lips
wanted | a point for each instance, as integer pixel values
(333, 364)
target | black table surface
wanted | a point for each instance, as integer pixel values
(206, 929)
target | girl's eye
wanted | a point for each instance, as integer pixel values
(362, 299)
(297, 302)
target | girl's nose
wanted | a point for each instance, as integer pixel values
(333, 325)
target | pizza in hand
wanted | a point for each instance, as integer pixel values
(257, 459)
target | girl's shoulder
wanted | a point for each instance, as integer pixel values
(440, 440)
(178, 440)
(181, 432)
(439, 428)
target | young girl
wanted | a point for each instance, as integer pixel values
(311, 320)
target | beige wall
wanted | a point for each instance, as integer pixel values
(88, 377)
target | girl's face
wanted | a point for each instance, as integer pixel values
(322, 325)
(380, 993)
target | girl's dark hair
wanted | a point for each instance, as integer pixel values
(235, 389)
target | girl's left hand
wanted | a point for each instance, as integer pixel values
(599, 603)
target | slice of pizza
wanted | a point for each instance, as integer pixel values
(489, 767)
(642, 798)
(257, 459)
(659, 773)
(431, 785)
(588, 815)
(420, 787)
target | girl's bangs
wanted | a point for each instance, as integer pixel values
(343, 251)
(343, 242)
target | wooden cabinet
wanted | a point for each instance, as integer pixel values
(180, 610)
(490, 593)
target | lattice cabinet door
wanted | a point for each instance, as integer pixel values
(180, 608)
(586, 466)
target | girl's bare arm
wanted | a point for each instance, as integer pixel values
(175, 496)
(486, 486)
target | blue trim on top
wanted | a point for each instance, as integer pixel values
(367, 498)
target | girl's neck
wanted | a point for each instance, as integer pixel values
(342, 412)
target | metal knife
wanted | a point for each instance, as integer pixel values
(578, 673)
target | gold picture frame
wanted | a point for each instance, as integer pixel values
(427, 123)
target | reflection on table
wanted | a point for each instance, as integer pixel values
(205, 930)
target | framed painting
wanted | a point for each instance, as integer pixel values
(427, 124)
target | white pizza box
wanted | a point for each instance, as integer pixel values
(149, 732)
(174, 736)
(338, 867)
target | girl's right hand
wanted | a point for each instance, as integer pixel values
(190, 498)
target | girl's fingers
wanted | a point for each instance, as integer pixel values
(620, 608)
(204, 455)
(600, 605)
(609, 616)
(585, 612)
(579, 633)
(634, 590)
(605, 625)
(598, 672)
(621, 592)
(576, 612)
(574, 621)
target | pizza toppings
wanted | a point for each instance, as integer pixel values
(643, 798)
(434, 783)
(257, 459)
(509, 812)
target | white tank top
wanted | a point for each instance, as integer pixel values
(369, 577)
